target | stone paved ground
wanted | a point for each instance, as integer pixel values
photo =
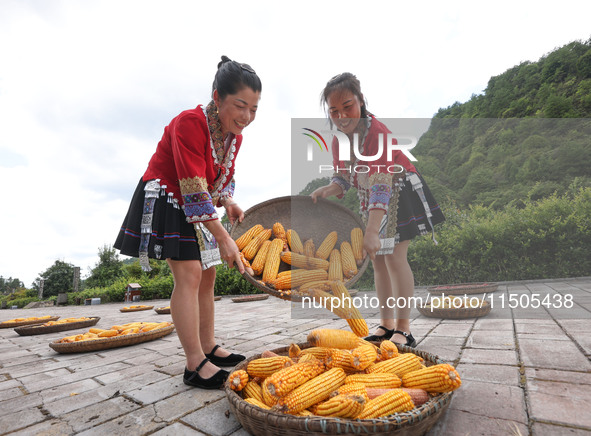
(521, 376)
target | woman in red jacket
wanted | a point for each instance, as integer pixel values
(390, 224)
(173, 213)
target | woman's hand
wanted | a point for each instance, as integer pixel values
(230, 253)
(371, 244)
(234, 212)
(326, 191)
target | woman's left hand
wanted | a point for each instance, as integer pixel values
(371, 244)
(234, 213)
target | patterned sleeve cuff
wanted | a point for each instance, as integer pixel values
(199, 207)
(379, 196)
(342, 183)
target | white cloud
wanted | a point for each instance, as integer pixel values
(86, 89)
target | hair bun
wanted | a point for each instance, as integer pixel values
(223, 61)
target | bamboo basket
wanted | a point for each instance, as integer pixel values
(259, 422)
(320, 219)
(41, 330)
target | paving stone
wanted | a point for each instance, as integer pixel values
(559, 402)
(460, 423)
(20, 403)
(502, 374)
(179, 429)
(490, 400)
(494, 324)
(185, 402)
(21, 419)
(498, 357)
(491, 340)
(98, 413)
(447, 348)
(52, 427)
(11, 394)
(214, 420)
(66, 390)
(574, 377)
(138, 422)
(543, 429)
(158, 391)
(74, 402)
(458, 330)
(47, 380)
(550, 354)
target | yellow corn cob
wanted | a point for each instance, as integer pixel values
(248, 236)
(400, 365)
(108, 333)
(257, 402)
(340, 358)
(341, 406)
(357, 245)
(253, 246)
(238, 379)
(268, 399)
(279, 232)
(309, 248)
(320, 353)
(356, 322)
(246, 263)
(353, 389)
(312, 392)
(287, 379)
(375, 380)
(294, 241)
(302, 261)
(308, 358)
(295, 278)
(305, 412)
(95, 330)
(265, 366)
(394, 401)
(253, 390)
(348, 260)
(436, 378)
(272, 261)
(258, 264)
(327, 245)
(388, 350)
(335, 267)
(322, 285)
(332, 338)
(363, 356)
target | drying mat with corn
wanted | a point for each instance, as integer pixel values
(112, 342)
(59, 326)
(312, 222)
(136, 308)
(247, 298)
(17, 322)
(162, 310)
(456, 313)
(259, 422)
(464, 288)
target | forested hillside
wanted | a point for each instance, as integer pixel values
(527, 136)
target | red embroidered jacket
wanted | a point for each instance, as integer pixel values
(374, 185)
(185, 161)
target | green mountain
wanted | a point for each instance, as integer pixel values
(526, 136)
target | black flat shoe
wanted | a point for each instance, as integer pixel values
(410, 341)
(376, 338)
(216, 381)
(231, 360)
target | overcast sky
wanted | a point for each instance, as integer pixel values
(87, 87)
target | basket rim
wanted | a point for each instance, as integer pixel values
(113, 342)
(39, 329)
(464, 288)
(303, 198)
(456, 313)
(320, 424)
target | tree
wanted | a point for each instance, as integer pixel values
(9, 285)
(108, 269)
(57, 278)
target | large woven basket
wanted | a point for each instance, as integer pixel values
(113, 342)
(40, 329)
(259, 422)
(5, 324)
(456, 313)
(464, 288)
(320, 219)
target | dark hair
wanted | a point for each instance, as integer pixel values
(232, 76)
(341, 82)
